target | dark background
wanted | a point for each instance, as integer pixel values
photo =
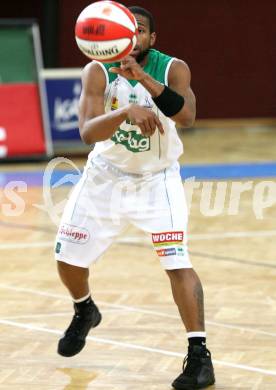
(230, 46)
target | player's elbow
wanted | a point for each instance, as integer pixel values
(86, 136)
(185, 121)
(185, 118)
(86, 140)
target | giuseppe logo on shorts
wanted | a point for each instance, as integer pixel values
(73, 234)
(167, 238)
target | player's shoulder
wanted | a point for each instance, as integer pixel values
(179, 68)
(93, 76)
(180, 64)
(92, 68)
(175, 64)
(96, 69)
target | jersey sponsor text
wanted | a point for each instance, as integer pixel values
(132, 140)
(167, 238)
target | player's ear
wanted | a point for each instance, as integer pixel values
(152, 38)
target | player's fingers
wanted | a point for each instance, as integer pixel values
(142, 128)
(159, 125)
(125, 66)
(115, 70)
(152, 124)
(150, 127)
(127, 60)
(148, 130)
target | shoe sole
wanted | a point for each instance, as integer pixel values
(82, 346)
(191, 387)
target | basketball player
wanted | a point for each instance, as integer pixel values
(129, 110)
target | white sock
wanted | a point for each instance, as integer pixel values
(79, 300)
(196, 334)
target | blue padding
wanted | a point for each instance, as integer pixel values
(35, 179)
(30, 178)
(229, 171)
(200, 172)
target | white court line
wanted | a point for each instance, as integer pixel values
(134, 240)
(20, 245)
(138, 347)
(40, 315)
(134, 309)
(49, 315)
(210, 236)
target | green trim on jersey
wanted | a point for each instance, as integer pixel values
(111, 76)
(156, 67)
(157, 64)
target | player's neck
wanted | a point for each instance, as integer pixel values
(144, 61)
(143, 57)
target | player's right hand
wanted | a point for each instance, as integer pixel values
(144, 118)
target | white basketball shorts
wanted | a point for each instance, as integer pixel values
(106, 200)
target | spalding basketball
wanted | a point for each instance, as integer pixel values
(106, 31)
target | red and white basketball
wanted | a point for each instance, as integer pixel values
(106, 31)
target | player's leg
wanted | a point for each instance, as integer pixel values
(187, 291)
(166, 218)
(188, 296)
(86, 231)
(74, 278)
(86, 314)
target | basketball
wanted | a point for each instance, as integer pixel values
(106, 31)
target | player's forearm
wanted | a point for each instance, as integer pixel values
(102, 127)
(186, 116)
(154, 87)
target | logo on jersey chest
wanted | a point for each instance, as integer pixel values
(114, 103)
(132, 140)
(133, 98)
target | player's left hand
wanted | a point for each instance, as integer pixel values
(129, 69)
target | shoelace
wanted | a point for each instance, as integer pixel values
(73, 327)
(191, 363)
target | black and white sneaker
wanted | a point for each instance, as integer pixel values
(74, 337)
(198, 371)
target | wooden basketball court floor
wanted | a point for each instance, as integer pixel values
(141, 341)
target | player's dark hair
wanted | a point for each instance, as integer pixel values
(142, 11)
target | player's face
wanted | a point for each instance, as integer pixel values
(145, 39)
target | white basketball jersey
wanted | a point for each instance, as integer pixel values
(128, 149)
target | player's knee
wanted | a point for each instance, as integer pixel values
(67, 270)
(62, 267)
(178, 275)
